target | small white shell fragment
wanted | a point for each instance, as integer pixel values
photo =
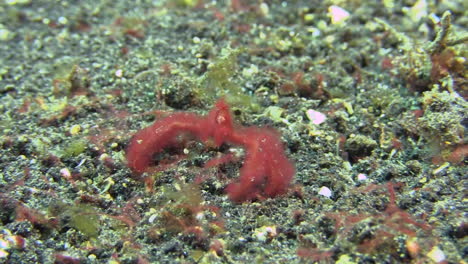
(361, 177)
(325, 191)
(265, 232)
(65, 172)
(152, 218)
(436, 254)
(119, 73)
(316, 117)
(337, 14)
(3, 254)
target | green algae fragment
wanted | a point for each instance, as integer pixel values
(442, 122)
(5, 34)
(70, 78)
(186, 3)
(185, 193)
(263, 220)
(75, 148)
(81, 217)
(85, 219)
(41, 145)
(360, 145)
(345, 259)
(218, 82)
(17, 2)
